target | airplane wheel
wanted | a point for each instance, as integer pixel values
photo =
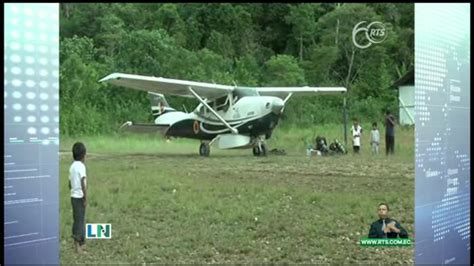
(204, 149)
(263, 150)
(260, 150)
(256, 151)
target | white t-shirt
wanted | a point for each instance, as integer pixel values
(76, 172)
(375, 136)
(356, 131)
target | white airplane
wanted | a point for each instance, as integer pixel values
(236, 117)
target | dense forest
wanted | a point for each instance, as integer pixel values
(246, 44)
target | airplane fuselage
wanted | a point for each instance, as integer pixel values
(251, 115)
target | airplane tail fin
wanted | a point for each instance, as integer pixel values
(159, 105)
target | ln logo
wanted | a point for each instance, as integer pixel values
(98, 231)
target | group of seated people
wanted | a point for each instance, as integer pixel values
(321, 147)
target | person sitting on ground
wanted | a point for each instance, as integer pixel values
(321, 145)
(333, 148)
(337, 148)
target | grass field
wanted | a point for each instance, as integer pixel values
(167, 204)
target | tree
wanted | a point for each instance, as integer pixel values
(303, 23)
(243, 32)
(316, 67)
(220, 44)
(170, 20)
(146, 52)
(79, 95)
(82, 46)
(194, 35)
(216, 68)
(112, 30)
(336, 29)
(82, 19)
(272, 32)
(247, 71)
(283, 70)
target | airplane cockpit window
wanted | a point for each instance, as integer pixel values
(222, 103)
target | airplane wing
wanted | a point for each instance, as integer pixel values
(144, 128)
(168, 86)
(283, 92)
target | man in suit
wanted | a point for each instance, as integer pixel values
(386, 227)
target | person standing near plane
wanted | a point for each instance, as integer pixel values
(356, 133)
(375, 138)
(77, 185)
(389, 133)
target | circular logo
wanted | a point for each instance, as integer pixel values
(375, 33)
(196, 127)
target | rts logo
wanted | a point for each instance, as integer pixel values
(374, 33)
(98, 231)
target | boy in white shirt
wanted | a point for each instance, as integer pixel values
(356, 132)
(375, 138)
(77, 184)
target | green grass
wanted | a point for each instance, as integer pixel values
(167, 204)
(290, 138)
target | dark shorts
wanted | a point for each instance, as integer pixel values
(78, 225)
(356, 149)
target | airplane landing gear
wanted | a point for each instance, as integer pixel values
(204, 149)
(260, 149)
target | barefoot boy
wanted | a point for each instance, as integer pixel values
(77, 184)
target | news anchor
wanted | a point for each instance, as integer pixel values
(386, 227)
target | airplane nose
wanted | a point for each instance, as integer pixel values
(277, 106)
